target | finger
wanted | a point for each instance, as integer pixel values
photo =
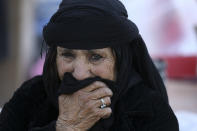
(107, 101)
(61, 98)
(100, 93)
(94, 86)
(105, 112)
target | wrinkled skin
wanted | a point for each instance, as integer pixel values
(81, 110)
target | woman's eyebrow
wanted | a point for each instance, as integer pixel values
(95, 51)
(67, 50)
(64, 50)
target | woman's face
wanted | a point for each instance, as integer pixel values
(86, 63)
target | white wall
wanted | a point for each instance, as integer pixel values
(151, 15)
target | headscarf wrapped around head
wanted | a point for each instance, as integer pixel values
(90, 24)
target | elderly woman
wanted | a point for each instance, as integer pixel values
(97, 76)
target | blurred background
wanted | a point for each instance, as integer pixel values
(169, 28)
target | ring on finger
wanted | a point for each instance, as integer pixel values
(103, 105)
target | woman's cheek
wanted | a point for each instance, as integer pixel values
(63, 67)
(105, 70)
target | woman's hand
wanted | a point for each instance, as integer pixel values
(81, 110)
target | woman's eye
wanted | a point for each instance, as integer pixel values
(95, 57)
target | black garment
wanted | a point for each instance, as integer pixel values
(140, 109)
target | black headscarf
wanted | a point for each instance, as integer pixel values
(90, 24)
(95, 24)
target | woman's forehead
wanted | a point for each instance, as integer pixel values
(85, 51)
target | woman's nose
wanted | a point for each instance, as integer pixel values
(81, 70)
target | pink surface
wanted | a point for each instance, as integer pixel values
(37, 68)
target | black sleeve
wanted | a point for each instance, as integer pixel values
(17, 113)
(50, 127)
(14, 115)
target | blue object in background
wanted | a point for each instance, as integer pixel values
(44, 10)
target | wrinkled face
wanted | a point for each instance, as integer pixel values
(86, 63)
